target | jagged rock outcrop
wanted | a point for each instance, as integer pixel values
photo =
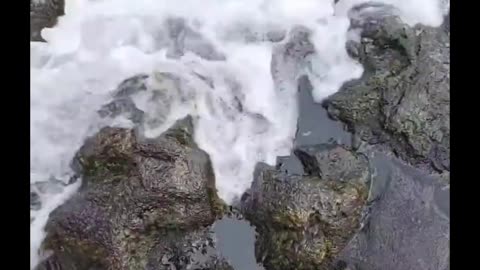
(403, 98)
(44, 13)
(303, 221)
(408, 225)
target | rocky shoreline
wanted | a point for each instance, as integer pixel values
(380, 201)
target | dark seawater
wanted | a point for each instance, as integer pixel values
(314, 126)
(235, 241)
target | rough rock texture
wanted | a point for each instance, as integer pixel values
(139, 198)
(122, 103)
(193, 250)
(403, 98)
(44, 13)
(304, 221)
(147, 100)
(408, 225)
(196, 250)
(35, 202)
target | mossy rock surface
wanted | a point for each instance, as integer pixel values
(138, 197)
(44, 14)
(403, 99)
(304, 221)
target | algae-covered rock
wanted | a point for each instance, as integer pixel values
(303, 221)
(139, 198)
(194, 250)
(176, 250)
(403, 98)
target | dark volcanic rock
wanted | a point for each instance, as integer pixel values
(44, 13)
(182, 38)
(123, 103)
(177, 250)
(403, 98)
(139, 198)
(192, 251)
(304, 221)
(408, 225)
(35, 202)
(157, 93)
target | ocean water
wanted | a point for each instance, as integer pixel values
(237, 70)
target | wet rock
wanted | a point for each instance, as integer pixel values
(44, 13)
(403, 98)
(216, 264)
(288, 57)
(193, 250)
(122, 103)
(343, 265)
(304, 221)
(138, 197)
(35, 202)
(234, 234)
(326, 162)
(196, 250)
(246, 32)
(408, 228)
(51, 186)
(147, 100)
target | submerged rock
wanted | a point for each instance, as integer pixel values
(181, 38)
(123, 103)
(139, 198)
(35, 202)
(304, 221)
(195, 250)
(44, 13)
(403, 98)
(148, 100)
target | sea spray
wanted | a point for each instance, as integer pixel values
(238, 62)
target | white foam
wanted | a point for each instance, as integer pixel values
(40, 219)
(99, 43)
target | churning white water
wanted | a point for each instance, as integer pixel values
(239, 86)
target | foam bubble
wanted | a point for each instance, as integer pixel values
(239, 86)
